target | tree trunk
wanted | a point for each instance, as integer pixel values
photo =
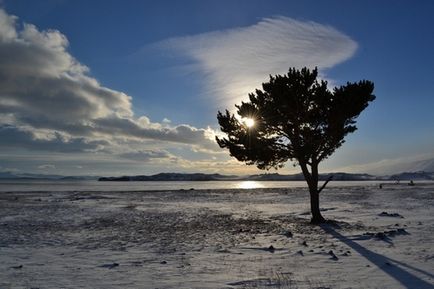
(317, 218)
(312, 181)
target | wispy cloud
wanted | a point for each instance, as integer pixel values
(54, 141)
(236, 61)
(146, 156)
(413, 163)
(46, 167)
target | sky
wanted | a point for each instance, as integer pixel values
(133, 87)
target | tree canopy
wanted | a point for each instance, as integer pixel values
(296, 117)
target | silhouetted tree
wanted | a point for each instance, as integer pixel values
(295, 118)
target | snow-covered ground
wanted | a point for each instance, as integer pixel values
(261, 238)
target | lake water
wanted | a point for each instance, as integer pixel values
(61, 185)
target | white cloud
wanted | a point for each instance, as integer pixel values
(146, 156)
(236, 61)
(54, 141)
(46, 167)
(11, 170)
(48, 101)
(7, 30)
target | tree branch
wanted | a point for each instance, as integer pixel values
(324, 154)
(325, 184)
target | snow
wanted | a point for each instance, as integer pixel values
(235, 238)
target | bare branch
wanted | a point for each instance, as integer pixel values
(325, 184)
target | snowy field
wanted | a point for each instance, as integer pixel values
(258, 238)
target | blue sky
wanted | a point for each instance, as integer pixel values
(126, 87)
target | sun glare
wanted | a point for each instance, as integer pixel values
(249, 185)
(249, 122)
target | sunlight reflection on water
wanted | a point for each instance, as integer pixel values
(249, 185)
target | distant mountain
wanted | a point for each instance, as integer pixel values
(300, 177)
(7, 175)
(218, 177)
(79, 178)
(12, 175)
(172, 177)
(407, 176)
(28, 176)
(274, 177)
(349, 177)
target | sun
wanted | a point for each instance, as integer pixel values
(249, 122)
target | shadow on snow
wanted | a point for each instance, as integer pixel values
(404, 277)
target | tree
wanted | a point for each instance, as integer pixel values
(294, 117)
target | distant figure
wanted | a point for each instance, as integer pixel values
(381, 186)
(411, 183)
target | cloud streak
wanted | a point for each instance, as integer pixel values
(236, 61)
(54, 141)
(153, 157)
(415, 163)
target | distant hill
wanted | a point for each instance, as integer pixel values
(218, 177)
(173, 177)
(13, 175)
(349, 177)
(28, 176)
(407, 176)
(300, 177)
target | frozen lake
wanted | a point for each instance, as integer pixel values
(95, 186)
